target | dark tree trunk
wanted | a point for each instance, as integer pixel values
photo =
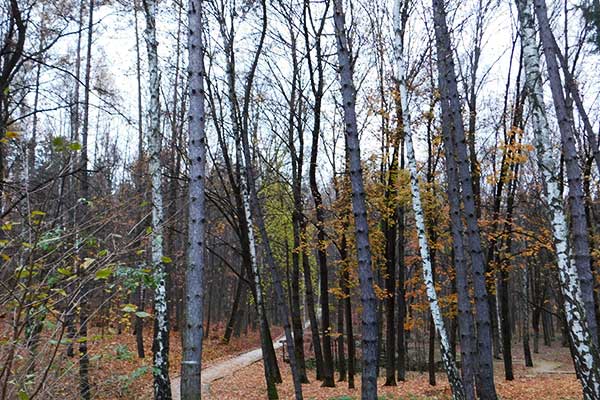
(365, 273)
(323, 356)
(458, 149)
(340, 338)
(400, 290)
(390, 231)
(312, 316)
(139, 323)
(431, 344)
(236, 315)
(431, 353)
(345, 280)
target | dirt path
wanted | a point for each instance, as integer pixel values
(224, 369)
(541, 366)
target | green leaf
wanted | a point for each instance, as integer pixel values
(166, 260)
(142, 314)
(60, 291)
(23, 395)
(148, 230)
(104, 273)
(64, 271)
(74, 146)
(103, 253)
(58, 142)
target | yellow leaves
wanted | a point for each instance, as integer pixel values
(12, 135)
(337, 292)
(129, 308)
(380, 292)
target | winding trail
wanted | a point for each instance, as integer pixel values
(224, 369)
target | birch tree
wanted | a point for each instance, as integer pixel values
(160, 345)
(191, 366)
(586, 356)
(458, 391)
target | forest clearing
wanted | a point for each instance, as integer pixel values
(300, 199)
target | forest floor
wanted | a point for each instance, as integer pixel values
(551, 378)
(116, 372)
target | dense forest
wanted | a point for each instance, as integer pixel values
(319, 199)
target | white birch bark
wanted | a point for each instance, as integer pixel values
(585, 358)
(162, 389)
(436, 313)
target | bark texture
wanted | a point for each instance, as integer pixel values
(191, 364)
(585, 355)
(359, 209)
(160, 345)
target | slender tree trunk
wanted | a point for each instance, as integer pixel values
(390, 231)
(316, 72)
(401, 307)
(585, 354)
(258, 293)
(340, 337)
(235, 316)
(75, 122)
(297, 158)
(345, 281)
(140, 186)
(84, 314)
(160, 345)
(312, 316)
(365, 273)
(525, 328)
(401, 292)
